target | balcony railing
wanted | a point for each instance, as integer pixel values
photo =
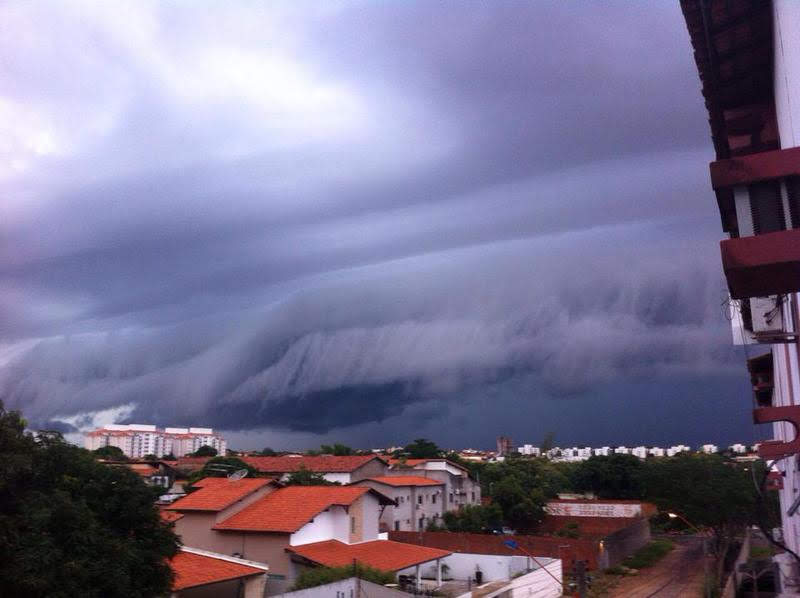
(776, 449)
(762, 265)
(754, 168)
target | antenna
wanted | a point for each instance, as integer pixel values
(237, 475)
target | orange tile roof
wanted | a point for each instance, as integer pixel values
(318, 464)
(415, 462)
(385, 555)
(192, 570)
(406, 480)
(169, 516)
(143, 469)
(215, 494)
(288, 509)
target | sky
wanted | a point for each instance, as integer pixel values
(362, 221)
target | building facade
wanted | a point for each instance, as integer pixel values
(139, 440)
(747, 54)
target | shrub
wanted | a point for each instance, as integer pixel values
(648, 555)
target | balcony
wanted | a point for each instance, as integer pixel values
(762, 265)
(753, 168)
(777, 449)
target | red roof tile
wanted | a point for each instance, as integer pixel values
(215, 494)
(169, 516)
(288, 509)
(318, 464)
(193, 570)
(385, 555)
(406, 480)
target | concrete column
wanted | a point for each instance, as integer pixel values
(418, 575)
(438, 572)
(255, 587)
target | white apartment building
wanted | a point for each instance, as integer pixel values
(739, 449)
(678, 448)
(138, 440)
(603, 451)
(639, 451)
(656, 451)
(529, 450)
(709, 449)
(622, 450)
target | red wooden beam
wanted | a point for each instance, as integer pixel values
(776, 449)
(762, 265)
(752, 168)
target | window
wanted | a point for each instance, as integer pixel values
(419, 499)
(352, 525)
(433, 499)
(451, 497)
(793, 194)
(397, 526)
(473, 497)
(766, 206)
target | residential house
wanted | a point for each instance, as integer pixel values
(344, 470)
(460, 488)
(204, 574)
(418, 501)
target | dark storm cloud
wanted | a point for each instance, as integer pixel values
(310, 216)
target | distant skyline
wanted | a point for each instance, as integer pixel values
(363, 222)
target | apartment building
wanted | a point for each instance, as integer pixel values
(747, 54)
(139, 440)
(529, 450)
(418, 501)
(460, 488)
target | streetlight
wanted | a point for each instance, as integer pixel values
(673, 515)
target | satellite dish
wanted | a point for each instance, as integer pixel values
(238, 475)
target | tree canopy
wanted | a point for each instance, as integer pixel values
(71, 526)
(339, 450)
(305, 477)
(205, 451)
(110, 453)
(422, 448)
(614, 476)
(220, 467)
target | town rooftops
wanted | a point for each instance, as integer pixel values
(317, 464)
(405, 480)
(195, 568)
(288, 509)
(385, 555)
(215, 494)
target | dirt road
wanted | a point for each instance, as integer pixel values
(677, 575)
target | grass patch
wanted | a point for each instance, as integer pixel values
(649, 555)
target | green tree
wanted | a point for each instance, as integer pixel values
(422, 448)
(268, 452)
(548, 442)
(339, 450)
(305, 477)
(205, 451)
(110, 453)
(220, 467)
(475, 519)
(614, 476)
(70, 526)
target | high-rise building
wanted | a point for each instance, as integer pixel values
(138, 440)
(504, 446)
(748, 57)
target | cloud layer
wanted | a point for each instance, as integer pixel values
(312, 217)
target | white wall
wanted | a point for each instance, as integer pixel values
(333, 524)
(371, 512)
(342, 478)
(536, 584)
(462, 566)
(786, 16)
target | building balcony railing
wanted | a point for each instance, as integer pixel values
(776, 449)
(762, 265)
(754, 168)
